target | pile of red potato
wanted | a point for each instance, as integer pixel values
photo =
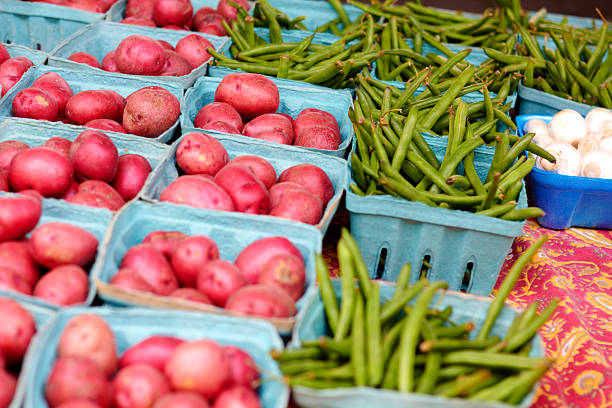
(158, 372)
(88, 171)
(147, 112)
(93, 6)
(246, 104)
(179, 15)
(142, 55)
(266, 278)
(51, 264)
(11, 69)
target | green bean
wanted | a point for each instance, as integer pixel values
(460, 201)
(358, 349)
(343, 372)
(347, 303)
(464, 383)
(394, 306)
(296, 354)
(319, 384)
(518, 148)
(405, 139)
(373, 334)
(455, 371)
(454, 331)
(390, 378)
(432, 174)
(355, 189)
(524, 384)
(328, 295)
(459, 181)
(433, 361)
(358, 263)
(496, 360)
(299, 366)
(507, 386)
(528, 331)
(600, 49)
(604, 70)
(519, 173)
(391, 337)
(457, 344)
(498, 210)
(331, 346)
(406, 190)
(446, 169)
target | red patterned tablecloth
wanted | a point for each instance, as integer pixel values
(575, 266)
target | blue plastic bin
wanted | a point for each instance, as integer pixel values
(82, 81)
(131, 326)
(466, 250)
(535, 102)
(311, 324)
(293, 99)
(231, 231)
(41, 316)
(88, 218)
(281, 159)
(100, 38)
(568, 201)
(42, 26)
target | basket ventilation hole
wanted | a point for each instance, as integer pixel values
(382, 259)
(425, 266)
(8, 41)
(38, 46)
(467, 276)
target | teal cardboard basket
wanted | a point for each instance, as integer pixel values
(90, 219)
(280, 159)
(81, 81)
(231, 231)
(16, 50)
(41, 316)
(466, 250)
(311, 324)
(293, 99)
(42, 26)
(131, 326)
(317, 13)
(102, 37)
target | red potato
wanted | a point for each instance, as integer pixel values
(140, 8)
(94, 104)
(318, 137)
(237, 397)
(253, 257)
(132, 173)
(129, 279)
(273, 135)
(106, 125)
(248, 193)
(165, 241)
(212, 24)
(31, 193)
(316, 117)
(152, 266)
(190, 255)
(10, 280)
(86, 5)
(79, 403)
(181, 400)
(278, 191)
(94, 156)
(191, 295)
(104, 190)
(89, 336)
(77, 378)
(172, 12)
(218, 279)
(286, 272)
(16, 331)
(154, 351)
(4, 186)
(56, 243)
(85, 58)
(8, 385)
(18, 215)
(312, 178)
(243, 370)
(301, 206)
(16, 255)
(64, 285)
(57, 87)
(72, 191)
(268, 122)
(228, 11)
(251, 95)
(261, 300)
(199, 153)
(193, 47)
(8, 150)
(150, 112)
(2, 362)
(200, 366)
(262, 168)
(176, 65)
(222, 127)
(59, 145)
(140, 55)
(175, 27)
(90, 200)
(33, 103)
(139, 386)
(4, 54)
(41, 169)
(289, 117)
(11, 72)
(145, 22)
(166, 45)
(218, 112)
(198, 16)
(199, 192)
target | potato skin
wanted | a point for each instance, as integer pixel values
(268, 122)
(18, 215)
(59, 145)
(191, 294)
(254, 256)
(312, 178)
(150, 112)
(11, 72)
(228, 11)
(154, 351)
(318, 137)
(8, 385)
(34, 103)
(16, 255)
(182, 399)
(237, 395)
(190, 255)
(57, 87)
(152, 266)
(248, 193)
(56, 243)
(262, 168)
(8, 150)
(17, 329)
(172, 12)
(198, 191)
(165, 241)
(286, 272)
(85, 58)
(251, 95)
(138, 385)
(242, 366)
(199, 153)
(218, 112)
(132, 173)
(64, 285)
(218, 279)
(104, 190)
(140, 55)
(94, 156)
(90, 200)
(106, 125)
(300, 206)
(10, 280)
(261, 300)
(129, 279)
(108, 62)
(41, 169)
(88, 105)
(193, 47)
(176, 64)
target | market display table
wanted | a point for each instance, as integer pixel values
(575, 266)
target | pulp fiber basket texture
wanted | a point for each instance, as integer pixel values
(293, 99)
(81, 81)
(311, 325)
(568, 201)
(131, 326)
(42, 26)
(466, 250)
(41, 316)
(335, 168)
(100, 38)
(231, 231)
(87, 218)
(16, 50)
(535, 102)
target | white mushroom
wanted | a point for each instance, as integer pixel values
(588, 144)
(540, 128)
(597, 164)
(567, 126)
(605, 145)
(595, 120)
(569, 162)
(606, 130)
